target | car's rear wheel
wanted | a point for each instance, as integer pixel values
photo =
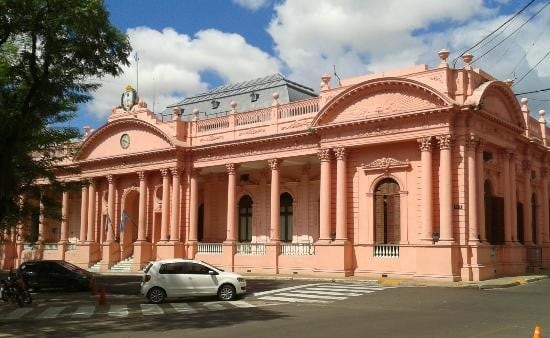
(156, 295)
(226, 292)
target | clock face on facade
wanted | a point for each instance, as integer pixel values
(125, 141)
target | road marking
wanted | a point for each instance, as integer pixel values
(51, 312)
(241, 304)
(183, 308)
(118, 311)
(84, 311)
(304, 295)
(329, 293)
(340, 289)
(294, 300)
(151, 309)
(213, 306)
(18, 313)
(284, 289)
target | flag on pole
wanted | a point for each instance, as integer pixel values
(107, 222)
(123, 218)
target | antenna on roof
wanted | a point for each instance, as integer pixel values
(339, 81)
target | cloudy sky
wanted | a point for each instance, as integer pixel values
(186, 47)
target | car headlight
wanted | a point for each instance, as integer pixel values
(241, 280)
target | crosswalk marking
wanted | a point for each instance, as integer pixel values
(330, 293)
(183, 308)
(213, 306)
(118, 311)
(84, 311)
(18, 313)
(284, 289)
(305, 295)
(241, 304)
(51, 312)
(151, 309)
(294, 300)
(340, 289)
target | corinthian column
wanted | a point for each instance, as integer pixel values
(480, 191)
(142, 200)
(64, 217)
(84, 212)
(174, 222)
(193, 207)
(445, 189)
(91, 211)
(473, 222)
(165, 206)
(231, 205)
(341, 200)
(275, 200)
(505, 158)
(324, 195)
(111, 208)
(527, 227)
(427, 188)
(513, 199)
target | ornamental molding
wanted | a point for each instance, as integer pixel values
(386, 164)
(252, 131)
(211, 138)
(296, 124)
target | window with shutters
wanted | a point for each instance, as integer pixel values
(387, 229)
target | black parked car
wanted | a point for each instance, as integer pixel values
(55, 275)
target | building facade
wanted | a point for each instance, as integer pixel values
(417, 173)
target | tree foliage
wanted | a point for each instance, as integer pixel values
(49, 52)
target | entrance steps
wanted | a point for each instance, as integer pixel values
(124, 265)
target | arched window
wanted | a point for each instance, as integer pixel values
(387, 229)
(286, 217)
(245, 219)
(534, 218)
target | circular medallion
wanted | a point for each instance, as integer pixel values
(125, 141)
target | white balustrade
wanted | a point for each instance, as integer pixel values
(50, 246)
(28, 246)
(386, 250)
(251, 249)
(297, 249)
(210, 248)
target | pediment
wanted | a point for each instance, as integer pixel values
(378, 99)
(497, 99)
(123, 138)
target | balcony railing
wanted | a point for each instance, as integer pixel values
(210, 248)
(386, 250)
(251, 249)
(50, 246)
(297, 249)
(29, 246)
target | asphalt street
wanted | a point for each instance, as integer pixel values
(275, 308)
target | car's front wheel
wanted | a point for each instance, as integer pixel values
(226, 292)
(156, 295)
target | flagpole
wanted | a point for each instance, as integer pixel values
(136, 57)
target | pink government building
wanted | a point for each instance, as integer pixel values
(421, 173)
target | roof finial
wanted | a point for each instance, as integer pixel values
(443, 55)
(325, 79)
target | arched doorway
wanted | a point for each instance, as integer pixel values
(286, 213)
(387, 228)
(245, 219)
(128, 225)
(494, 215)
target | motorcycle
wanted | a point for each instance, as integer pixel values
(15, 289)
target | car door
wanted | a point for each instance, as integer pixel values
(53, 275)
(171, 278)
(203, 281)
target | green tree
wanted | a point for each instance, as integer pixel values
(50, 50)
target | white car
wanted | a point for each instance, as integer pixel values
(184, 278)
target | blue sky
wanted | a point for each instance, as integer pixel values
(187, 46)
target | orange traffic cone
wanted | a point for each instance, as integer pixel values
(537, 333)
(102, 299)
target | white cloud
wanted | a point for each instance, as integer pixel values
(252, 5)
(372, 36)
(171, 64)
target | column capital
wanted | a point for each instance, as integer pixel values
(164, 172)
(231, 168)
(175, 171)
(111, 178)
(91, 181)
(274, 163)
(84, 184)
(445, 141)
(340, 153)
(472, 142)
(324, 154)
(141, 175)
(425, 143)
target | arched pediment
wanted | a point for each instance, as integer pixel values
(497, 99)
(139, 137)
(380, 98)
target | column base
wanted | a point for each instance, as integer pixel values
(86, 254)
(334, 258)
(142, 255)
(229, 251)
(191, 249)
(168, 250)
(111, 255)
